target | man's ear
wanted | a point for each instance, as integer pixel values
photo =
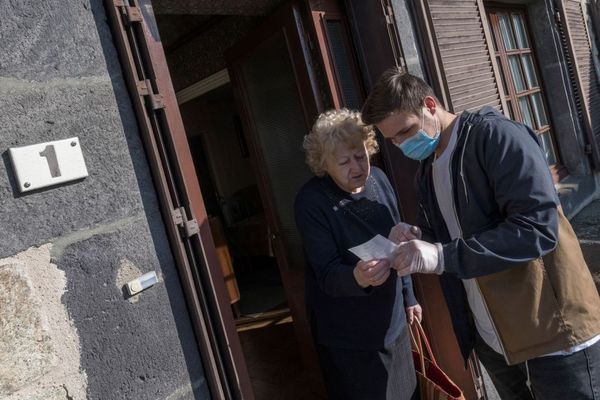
(430, 104)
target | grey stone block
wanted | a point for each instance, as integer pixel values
(119, 184)
(51, 39)
(147, 348)
(587, 227)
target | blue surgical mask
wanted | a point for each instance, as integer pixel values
(420, 145)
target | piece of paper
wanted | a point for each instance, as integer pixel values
(378, 248)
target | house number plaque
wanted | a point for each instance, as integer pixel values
(46, 164)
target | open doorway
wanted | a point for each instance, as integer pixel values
(234, 166)
(243, 242)
(232, 200)
(248, 94)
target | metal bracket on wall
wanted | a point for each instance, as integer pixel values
(131, 13)
(390, 20)
(189, 227)
(155, 100)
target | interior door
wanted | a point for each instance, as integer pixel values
(277, 96)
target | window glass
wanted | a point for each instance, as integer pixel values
(526, 112)
(517, 75)
(548, 148)
(529, 71)
(511, 114)
(507, 35)
(517, 20)
(538, 110)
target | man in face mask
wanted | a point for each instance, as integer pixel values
(511, 269)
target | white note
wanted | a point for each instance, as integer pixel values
(378, 248)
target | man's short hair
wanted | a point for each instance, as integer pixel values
(395, 90)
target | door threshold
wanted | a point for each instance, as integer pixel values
(264, 319)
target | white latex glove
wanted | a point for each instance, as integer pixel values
(418, 256)
(404, 232)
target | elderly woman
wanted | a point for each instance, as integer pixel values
(358, 309)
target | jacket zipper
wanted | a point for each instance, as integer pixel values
(461, 235)
(462, 159)
(425, 214)
(451, 180)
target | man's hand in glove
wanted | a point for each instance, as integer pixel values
(418, 256)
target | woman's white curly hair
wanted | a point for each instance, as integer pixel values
(332, 128)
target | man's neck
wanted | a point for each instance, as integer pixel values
(447, 121)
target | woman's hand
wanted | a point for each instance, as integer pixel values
(371, 273)
(414, 312)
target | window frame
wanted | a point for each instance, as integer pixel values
(509, 92)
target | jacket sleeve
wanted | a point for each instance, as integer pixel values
(320, 249)
(407, 292)
(521, 185)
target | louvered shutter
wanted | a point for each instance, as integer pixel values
(463, 54)
(580, 62)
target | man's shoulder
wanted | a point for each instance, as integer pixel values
(491, 126)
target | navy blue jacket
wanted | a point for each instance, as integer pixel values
(330, 221)
(505, 203)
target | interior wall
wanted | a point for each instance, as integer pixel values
(212, 117)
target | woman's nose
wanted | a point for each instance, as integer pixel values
(356, 165)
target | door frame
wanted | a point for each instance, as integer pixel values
(161, 128)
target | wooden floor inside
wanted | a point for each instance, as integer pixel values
(273, 361)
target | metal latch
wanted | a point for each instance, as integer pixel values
(131, 13)
(188, 227)
(156, 100)
(389, 15)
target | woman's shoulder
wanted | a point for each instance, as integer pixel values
(311, 192)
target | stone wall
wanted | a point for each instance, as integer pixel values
(67, 330)
(587, 227)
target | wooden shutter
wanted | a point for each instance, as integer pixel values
(460, 50)
(580, 63)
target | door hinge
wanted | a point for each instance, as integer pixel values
(156, 100)
(479, 388)
(389, 15)
(188, 227)
(130, 13)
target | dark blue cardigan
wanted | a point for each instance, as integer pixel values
(331, 221)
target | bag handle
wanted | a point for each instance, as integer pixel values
(418, 345)
(417, 334)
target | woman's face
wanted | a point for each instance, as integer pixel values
(348, 167)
